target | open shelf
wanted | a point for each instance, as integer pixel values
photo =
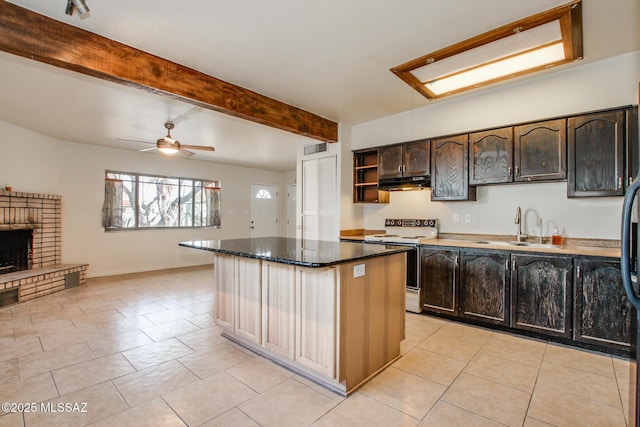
(365, 178)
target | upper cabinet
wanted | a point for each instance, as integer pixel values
(532, 152)
(491, 156)
(539, 151)
(450, 175)
(597, 152)
(365, 178)
(404, 160)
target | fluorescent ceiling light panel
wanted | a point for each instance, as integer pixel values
(531, 44)
(496, 70)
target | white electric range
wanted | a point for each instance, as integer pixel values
(408, 232)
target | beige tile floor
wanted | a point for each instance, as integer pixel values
(143, 349)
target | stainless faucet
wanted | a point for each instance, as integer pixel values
(540, 224)
(519, 235)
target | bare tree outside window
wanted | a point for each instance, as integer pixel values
(149, 201)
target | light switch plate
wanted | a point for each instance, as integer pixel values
(358, 270)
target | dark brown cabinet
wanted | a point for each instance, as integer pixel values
(439, 279)
(491, 156)
(596, 145)
(484, 286)
(574, 298)
(365, 178)
(540, 151)
(450, 174)
(404, 160)
(541, 294)
(390, 161)
(603, 314)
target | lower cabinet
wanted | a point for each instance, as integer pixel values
(439, 278)
(328, 324)
(278, 315)
(541, 300)
(248, 314)
(484, 286)
(224, 277)
(603, 313)
(570, 297)
(288, 310)
(316, 319)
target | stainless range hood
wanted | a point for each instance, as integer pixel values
(405, 183)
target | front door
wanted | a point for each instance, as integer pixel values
(264, 210)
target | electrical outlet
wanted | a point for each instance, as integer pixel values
(467, 218)
(358, 270)
(456, 217)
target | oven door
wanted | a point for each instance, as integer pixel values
(414, 292)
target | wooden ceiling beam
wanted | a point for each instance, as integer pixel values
(34, 36)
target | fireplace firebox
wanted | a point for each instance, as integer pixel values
(15, 250)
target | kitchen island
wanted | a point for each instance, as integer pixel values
(332, 312)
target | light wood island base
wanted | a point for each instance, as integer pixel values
(321, 323)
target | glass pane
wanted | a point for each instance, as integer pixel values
(128, 198)
(158, 202)
(197, 204)
(186, 203)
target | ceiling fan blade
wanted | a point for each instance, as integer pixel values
(148, 149)
(135, 140)
(198, 147)
(186, 153)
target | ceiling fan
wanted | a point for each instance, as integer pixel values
(169, 146)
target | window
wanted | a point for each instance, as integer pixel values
(263, 194)
(134, 201)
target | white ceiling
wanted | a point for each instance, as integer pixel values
(331, 58)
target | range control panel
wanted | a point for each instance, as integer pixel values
(390, 222)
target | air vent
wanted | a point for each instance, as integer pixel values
(315, 148)
(9, 297)
(71, 280)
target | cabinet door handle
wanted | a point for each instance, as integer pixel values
(455, 261)
(619, 182)
(517, 170)
(399, 168)
(506, 265)
(578, 272)
(404, 168)
(509, 170)
(513, 265)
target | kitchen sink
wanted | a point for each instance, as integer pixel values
(512, 243)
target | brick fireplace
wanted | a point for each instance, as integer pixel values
(41, 215)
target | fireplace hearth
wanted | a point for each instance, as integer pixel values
(15, 250)
(30, 248)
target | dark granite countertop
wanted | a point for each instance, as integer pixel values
(314, 253)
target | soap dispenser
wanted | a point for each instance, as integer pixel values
(556, 238)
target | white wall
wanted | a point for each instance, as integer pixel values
(31, 162)
(604, 84)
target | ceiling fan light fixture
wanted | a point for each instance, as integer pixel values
(532, 44)
(168, 150)
(168, 145)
